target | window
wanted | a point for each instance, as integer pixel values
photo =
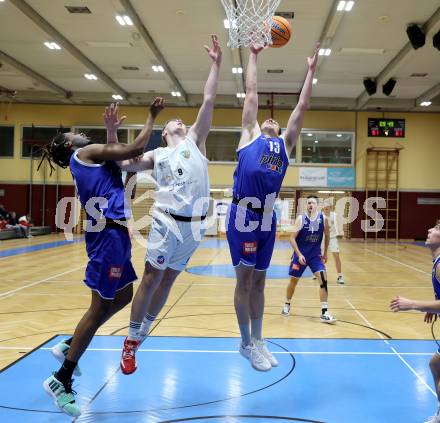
(6, 141)
(221, 145)
(324, 147)
(99, 134)
(36, 136)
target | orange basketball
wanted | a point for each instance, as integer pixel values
(281, 31)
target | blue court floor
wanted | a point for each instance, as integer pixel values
(206, 380)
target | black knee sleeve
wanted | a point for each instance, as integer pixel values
(323, 281)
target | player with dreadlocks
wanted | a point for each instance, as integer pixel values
(109, 273)
(430, 308)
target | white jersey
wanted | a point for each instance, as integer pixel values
(333, 225)
(182, 179)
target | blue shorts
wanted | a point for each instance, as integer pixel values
(253, 248)
(109, 269)
(315, 263)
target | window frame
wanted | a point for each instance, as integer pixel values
(26, 125)
(13, 140)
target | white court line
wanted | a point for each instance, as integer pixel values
(13, 291)
(303, 285)
(392, 349)
(399, 262)
(237, 352)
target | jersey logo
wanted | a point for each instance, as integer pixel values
(185, 154)
(160, 259)
(272, 162)
(295, 266)
(115, 272)
(249, 247)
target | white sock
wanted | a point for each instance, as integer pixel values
(133, 331)
(324, 306)
(339, 275)
(146, 323)
(288, 301)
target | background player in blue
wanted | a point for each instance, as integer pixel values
(263, 157)
(306, 239)
(430, 308)
(109, 272)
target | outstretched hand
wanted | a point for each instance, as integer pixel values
(313, 60)
(215, 52)
(111, 117)
(401, 304)
(257, 48)
(156, 107)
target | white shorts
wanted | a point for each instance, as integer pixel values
(333, 245)
(171, 243)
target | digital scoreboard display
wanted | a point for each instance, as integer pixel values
(387, 128)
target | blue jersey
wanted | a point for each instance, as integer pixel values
(310, 236)
(435, 281)
(100, 180)
(262, 165)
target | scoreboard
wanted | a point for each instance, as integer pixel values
(388, 128)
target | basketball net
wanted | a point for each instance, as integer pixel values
(6, 98)
(250, 21)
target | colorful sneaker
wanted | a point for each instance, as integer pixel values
(256, 358)
(286, 309)
(63, 396)
(59, 351)
(340, 280)
(433, 419)
(327, 318)
(128, 359)
(261, 346)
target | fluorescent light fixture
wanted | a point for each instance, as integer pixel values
(237, 70)
(90, 76)
(176, 93)
(51, 45)
(120, 20)
(316, 141)
(349, 6)
(321, 51)
(328, 51)
(310, 134)
(117, 97)
(331, 192)
(315, 81)
(339, 135)
(425, 103)
(158, 68)
(128, 20)
(241, 95)
(341, 6)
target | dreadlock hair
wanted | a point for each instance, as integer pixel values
(57, 152)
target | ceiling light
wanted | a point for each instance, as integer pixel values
(241, 95)
(315, 81)
(310, 135)
(176, 93)
(117, 97)
(51, 45)
(120, 20)
(128, 20)
(425, 103)
(331, 192)
(226, 23)
(316, 141)
(328, 51)
(90, 76)
(339, 135)
(341, 5)
(157, 68)
(321, 51)
(237, 70)
(349, 6)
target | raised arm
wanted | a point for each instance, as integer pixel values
(112, 122)
(250, 127)
(119, 152)
(200, 130)
(296, 119)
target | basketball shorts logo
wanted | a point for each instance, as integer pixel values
(249, 247)
(160, 259)
(115, 272)
(295, 266)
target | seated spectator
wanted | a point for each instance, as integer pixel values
(26, 223)
(4, 215)
(13, 223)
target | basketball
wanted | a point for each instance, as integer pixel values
(280, 31)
